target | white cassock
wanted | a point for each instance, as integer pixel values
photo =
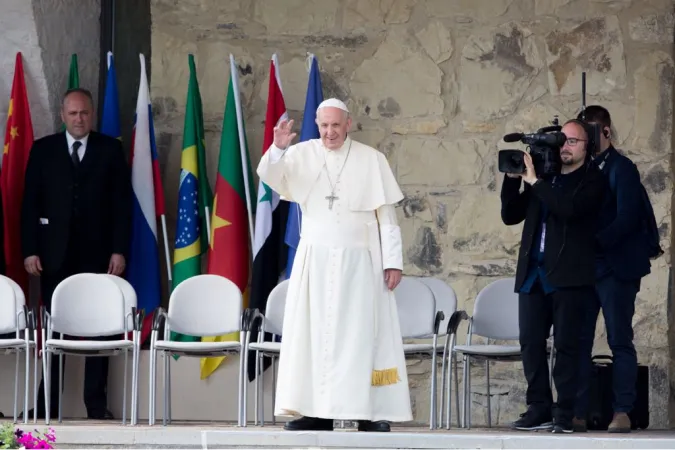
(341, 347)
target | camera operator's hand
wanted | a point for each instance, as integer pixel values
(530, 176)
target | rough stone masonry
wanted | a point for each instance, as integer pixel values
(434, 84)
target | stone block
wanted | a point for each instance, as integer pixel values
(594, 46)
(364, 15)
(296, 17)
(412, 89)
(479, 10)
(436, 162)
(436, 40)
(654, 104)
(653, 28)
(497, 67)
(425, 125)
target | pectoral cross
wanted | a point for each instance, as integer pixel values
(331, 198)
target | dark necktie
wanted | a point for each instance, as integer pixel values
(74, 155)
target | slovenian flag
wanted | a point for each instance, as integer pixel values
(148, 204)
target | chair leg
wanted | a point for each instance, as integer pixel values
(443, 394)
(16, 385)
(454, 357)
(261, 387)
(61, 388)
(168, 383)
(35, 378)
(447, 395)
(256, 403)
(244, 403)
(46, 368)
(432, 418)
(152, 378)
(166, 356)
(124, 387)
(489, 397)
(274, 388)
(27, 383)
(467, 392)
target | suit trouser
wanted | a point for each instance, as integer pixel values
(95, 369)
(617, 300)
(537, 311)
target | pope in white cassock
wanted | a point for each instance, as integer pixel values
(341, 351)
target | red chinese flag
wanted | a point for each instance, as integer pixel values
(18, 142)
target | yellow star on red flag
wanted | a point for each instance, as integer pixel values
(217, 221)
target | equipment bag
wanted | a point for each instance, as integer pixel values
(601, 395)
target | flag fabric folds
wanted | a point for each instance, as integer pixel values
(194, 193)
(308, 131)
(110, 121)
(73, 78)
(269, 251)
(143, 267)
(229, 254)
(18, 142)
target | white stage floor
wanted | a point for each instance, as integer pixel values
(88, 434)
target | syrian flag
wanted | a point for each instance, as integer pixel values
(269, 251)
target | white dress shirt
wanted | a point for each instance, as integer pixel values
(80, 151)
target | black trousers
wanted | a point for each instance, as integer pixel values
(96, 368)
(537, 311)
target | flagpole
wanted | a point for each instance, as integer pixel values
(166, 250)
(242, 146)
(207, 217)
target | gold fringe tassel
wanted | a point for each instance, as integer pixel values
(385, 377)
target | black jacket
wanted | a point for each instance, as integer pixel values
(103, 186)
(622, 238)
(569, 255)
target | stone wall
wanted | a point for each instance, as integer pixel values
(47, 32)
(435, 84)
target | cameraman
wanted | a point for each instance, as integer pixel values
(621, 263)
(555, 275)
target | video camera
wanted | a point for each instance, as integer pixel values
(544, 145)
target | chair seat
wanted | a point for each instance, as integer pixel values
(419, 348)
(67, 344)
(12, 343)
(198, 346)
(489, 350)
(269, 347)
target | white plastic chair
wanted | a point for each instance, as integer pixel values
(419, 320)
(88, 305)
(270, 322)
(495, 317)
(15, 317)
(203, 305)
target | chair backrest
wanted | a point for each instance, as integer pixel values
(495, 312)
(87, 305)
(205, 305)
(416, 308)
(446, 299)
(274, 311)
(130, 298)
(8, 307)
(20, 300)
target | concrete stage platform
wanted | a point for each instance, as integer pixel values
(88, 434)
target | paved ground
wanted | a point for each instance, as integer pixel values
(99, 435)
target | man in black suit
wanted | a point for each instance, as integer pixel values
(621, 263)
(555, 274)
(76, 217)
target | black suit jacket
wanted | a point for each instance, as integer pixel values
(569, 255)
(103, 186)
(622, 238)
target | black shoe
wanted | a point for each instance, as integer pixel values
(1, 415)
(309, 423)
(562, 426)
(379, 426)
(100, 415)
(40, 414)
(532, 420)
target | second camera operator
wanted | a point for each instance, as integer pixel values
(555, 272)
